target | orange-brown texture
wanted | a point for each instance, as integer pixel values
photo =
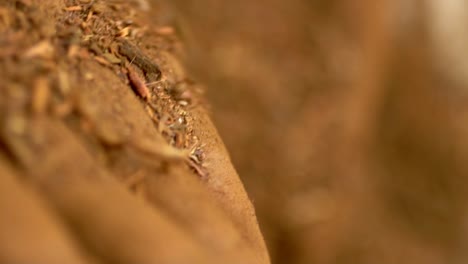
(93, 173)
(344, 120)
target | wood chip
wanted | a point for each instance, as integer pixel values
(41, 95)
(160, 150)
(124, 32)
(89, 16)
(73, 51)
(73, 8)
(43, 49)
(63, 83)
(102, 61)
(183, 103)
(166, 30)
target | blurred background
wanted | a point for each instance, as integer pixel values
(346, 120)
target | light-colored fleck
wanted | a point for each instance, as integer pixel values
(43, 49)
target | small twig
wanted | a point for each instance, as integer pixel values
(198, 169)
(151, 70)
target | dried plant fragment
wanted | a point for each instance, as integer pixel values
(43, 49)
(63, 82)
(160, 150)
(102, 61)
(41, 95)
(166, 30)
(73, 8)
